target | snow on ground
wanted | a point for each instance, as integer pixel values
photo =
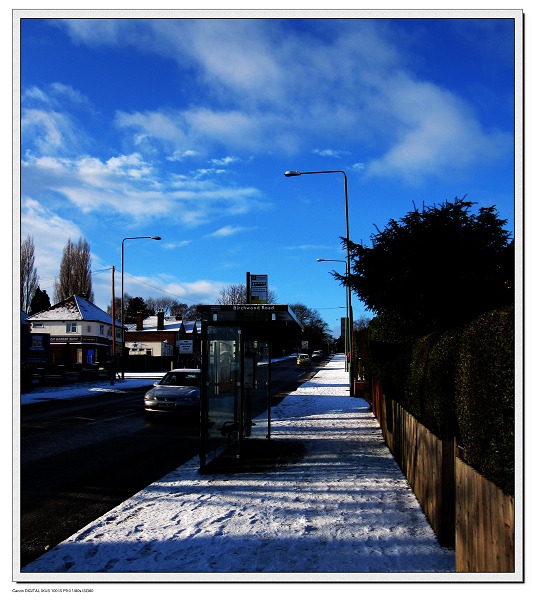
(91, 388)
(344, 510)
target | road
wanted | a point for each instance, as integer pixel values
(81, 458)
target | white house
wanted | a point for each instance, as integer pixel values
(80, 332)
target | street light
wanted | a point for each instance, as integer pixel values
(346, 332)
(123, 337)
(349, 321)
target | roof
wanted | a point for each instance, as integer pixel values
(74, 308)
(171, 324)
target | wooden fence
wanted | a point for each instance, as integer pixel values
(484, 527)
(465, 510)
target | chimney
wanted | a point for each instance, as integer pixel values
(139, 321)
(160, 321)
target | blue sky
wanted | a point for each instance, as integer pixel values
(183, 128)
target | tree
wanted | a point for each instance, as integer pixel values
(75, 272)
(117, 302)
(29, 280)
(316, 330)
(361, 323)
(434, 268)
(40, 301)
(169, 306)
(132, 307)
(236, 293)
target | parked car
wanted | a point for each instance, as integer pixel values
(303, 359)
(179, 390)
(317, 354)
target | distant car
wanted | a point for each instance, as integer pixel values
(317, 354)
(303, 359)
(178, 391)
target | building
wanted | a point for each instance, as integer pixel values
(81, 333)
(161, 336)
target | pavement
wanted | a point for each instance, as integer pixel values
(338, 509)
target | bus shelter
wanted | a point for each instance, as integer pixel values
(237, 343)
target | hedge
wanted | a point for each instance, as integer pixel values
(458, 383)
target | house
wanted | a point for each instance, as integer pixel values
(162, 336)
(81, 333)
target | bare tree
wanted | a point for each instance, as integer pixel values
(75, 272)
(29, 280)
(236, 293)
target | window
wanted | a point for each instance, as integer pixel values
(34, 325)
(89, 329)
(102, 330)
(72, 327)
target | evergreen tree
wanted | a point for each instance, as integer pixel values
(75, 272)
(435, 268)
(132, 307)
(40, 301)
(29, 280)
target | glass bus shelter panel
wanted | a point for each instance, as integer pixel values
(222, 389)
(256, 389)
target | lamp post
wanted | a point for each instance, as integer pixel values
(349, 321)
(346, 332)
(123, 337)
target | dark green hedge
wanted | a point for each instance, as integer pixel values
(484, 395)
(458, 383)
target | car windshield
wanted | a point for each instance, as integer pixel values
(180, 379)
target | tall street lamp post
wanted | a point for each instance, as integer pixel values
(346, 329)
(140, 237)
(349, 316)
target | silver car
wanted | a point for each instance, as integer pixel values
(179, 390)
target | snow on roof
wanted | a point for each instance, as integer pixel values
(189, 326)
(170, 324)
(74, 308)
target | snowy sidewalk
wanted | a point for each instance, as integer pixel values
(345, 510)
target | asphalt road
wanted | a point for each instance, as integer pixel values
(79, 459)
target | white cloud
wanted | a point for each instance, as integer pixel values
(331, 153)
(152, 124)
(47, 131)
(307, 247)
(67, 91)
(277, 88)
(129, 186)
(201, 291)
(227, 231)
(180, 155)
(435, 134)
(51, 233)
(224, 161)
(203, 172)
(174, 245)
